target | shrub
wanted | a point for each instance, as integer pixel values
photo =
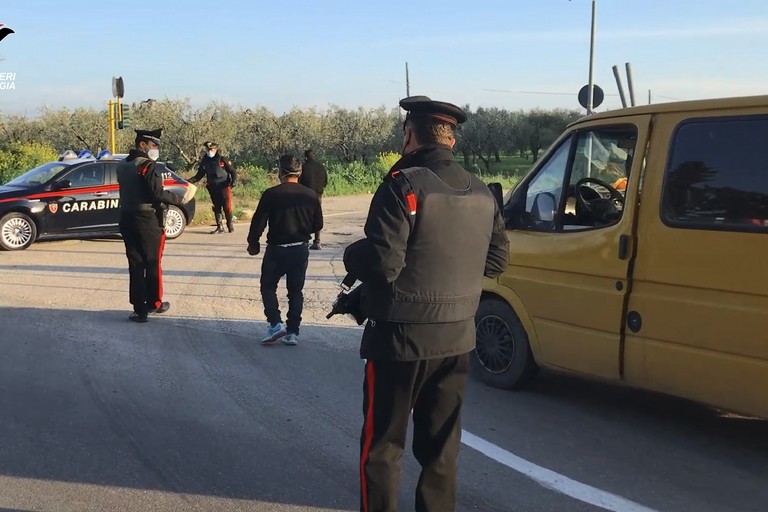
(353, 178)
(252, 181)
(384, 162)
(19, 157)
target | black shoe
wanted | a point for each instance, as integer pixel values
(164, 306)
(231, 228)
(217, 231)
(315, 246)
(138, 318)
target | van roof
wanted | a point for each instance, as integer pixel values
(681, 106)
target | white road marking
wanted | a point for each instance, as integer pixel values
(552, 480)
(343, 213)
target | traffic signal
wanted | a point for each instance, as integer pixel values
(123, 116)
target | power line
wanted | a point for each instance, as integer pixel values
(540, 92)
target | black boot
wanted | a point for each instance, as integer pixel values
(218, 224)
(230, 226)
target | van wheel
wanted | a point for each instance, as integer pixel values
(175, 222)
(17, 232)
(502, 357)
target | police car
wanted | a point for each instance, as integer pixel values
(75, 197)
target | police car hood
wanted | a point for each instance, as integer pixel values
(7, 191)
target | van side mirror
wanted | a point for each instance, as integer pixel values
(544, 206)
(59, 185)
(496, 190)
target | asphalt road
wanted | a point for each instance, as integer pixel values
(188, 412)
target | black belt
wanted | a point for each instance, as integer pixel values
(291, 244)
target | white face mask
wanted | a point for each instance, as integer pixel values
(154, 154)
(211, 154)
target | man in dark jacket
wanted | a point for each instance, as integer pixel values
(314, 176)
(220, 179)
(433, 231)
(293, 214)
(143, 202)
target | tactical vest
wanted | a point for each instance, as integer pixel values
(134, 193)
(445, 257)
(214, 169)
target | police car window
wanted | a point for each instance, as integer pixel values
(38, 175)
(717, 176)
(87, 176)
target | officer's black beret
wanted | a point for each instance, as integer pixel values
(151, 135)
(208, 145)
(423, 106)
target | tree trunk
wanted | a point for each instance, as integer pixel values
(486, 162)
(466, 154)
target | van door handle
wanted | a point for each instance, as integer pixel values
(100, 194)
(623, 247)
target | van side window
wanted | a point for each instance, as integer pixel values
(546, 189)
(717, 175)
(582, 185)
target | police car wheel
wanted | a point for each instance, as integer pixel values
(175, 222)
(502, 357)
(17, 232)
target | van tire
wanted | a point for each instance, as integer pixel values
(502, 357)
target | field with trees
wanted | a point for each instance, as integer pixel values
(358, 146)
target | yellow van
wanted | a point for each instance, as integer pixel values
(639, 254)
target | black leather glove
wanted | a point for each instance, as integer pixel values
(254, 249)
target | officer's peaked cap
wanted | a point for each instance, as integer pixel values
(150, 135)
(210, 145)
(423, 106)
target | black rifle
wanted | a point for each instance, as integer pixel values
(348, 301)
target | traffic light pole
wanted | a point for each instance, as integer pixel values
(112, 122)
(118, 119)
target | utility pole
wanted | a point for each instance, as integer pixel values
(590, 98)
(407, 82)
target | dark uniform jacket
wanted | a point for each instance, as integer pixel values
(141, 186)
(314, 175)
(217, 171)
(432, 232)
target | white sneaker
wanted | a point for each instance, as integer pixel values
(291, 339)
(274, 333)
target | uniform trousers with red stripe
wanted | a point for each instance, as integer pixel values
(434, 390)
(144, 240)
